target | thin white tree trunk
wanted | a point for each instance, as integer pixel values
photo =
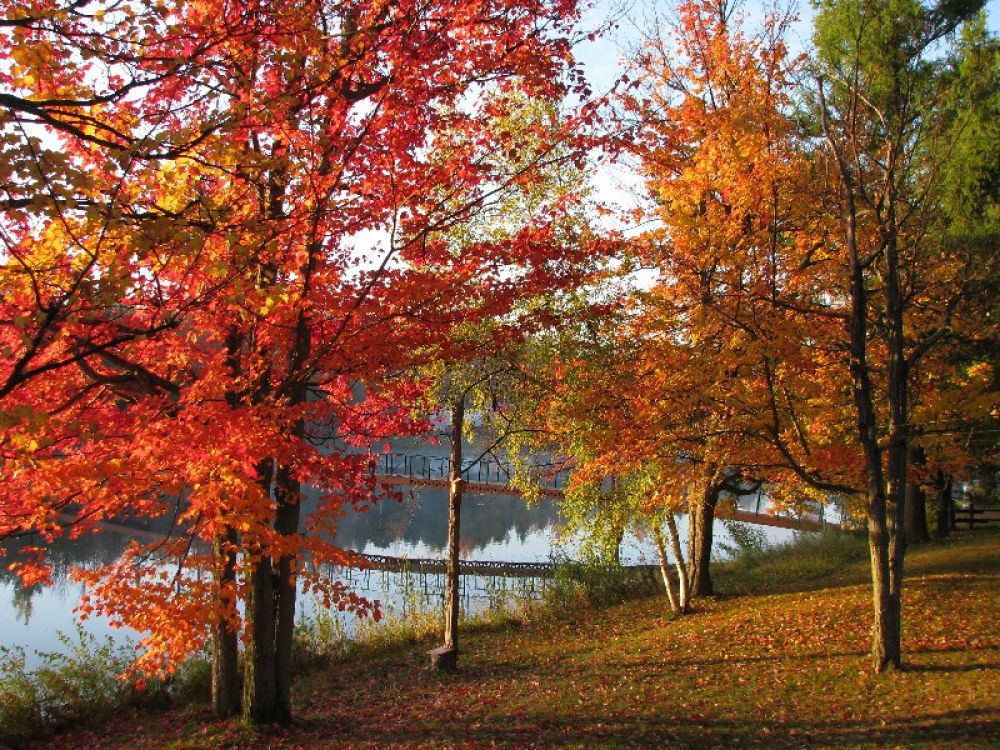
(661, 550)
(683, 595)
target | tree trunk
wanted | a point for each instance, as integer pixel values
(225, 640)
(272, 583)
(701, 524)
(916, 514)
(661, 553)
(288, 502)
(899, 423)
(945, 506)
(683, 591)
(448, 659)
(286, 523)
(225, 632)
(916, 502)
(259, 695)
(885, 631)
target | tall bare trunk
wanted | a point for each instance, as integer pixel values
(701, 525)
(899, 422)
(286, 523)
(886, 627)
(225, 640)
(449, 660)
(885, 631)
(661, 553)
(683, 590)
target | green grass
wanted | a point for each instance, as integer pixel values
(810, 561)
(782, 668)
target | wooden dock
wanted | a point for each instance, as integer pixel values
(481, 568)
(474, 488)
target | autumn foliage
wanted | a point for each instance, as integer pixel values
(223, 229)
(803, 324)
(238, 238)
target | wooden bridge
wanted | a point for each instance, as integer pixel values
(492, 477)
(482, 568)
(506, 569)
(487, 475)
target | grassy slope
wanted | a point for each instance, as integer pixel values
(785, 669)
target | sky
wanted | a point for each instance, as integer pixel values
(602, 62)
(602, 57)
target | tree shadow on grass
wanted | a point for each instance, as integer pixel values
(915, 655)
(729, 587)
(776, 656)
(616, 730)
(944, 668)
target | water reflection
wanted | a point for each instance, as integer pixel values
(419, 521)
(494, 527)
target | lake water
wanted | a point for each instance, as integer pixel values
(494, 527)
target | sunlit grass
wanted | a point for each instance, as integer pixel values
(787, 669)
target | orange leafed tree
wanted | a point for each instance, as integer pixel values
(803, 288)
(684, 404)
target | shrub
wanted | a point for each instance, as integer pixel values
(595, 582)
(82, 686)
(748, 542)
(75, 686)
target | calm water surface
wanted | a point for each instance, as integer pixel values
(494, 527)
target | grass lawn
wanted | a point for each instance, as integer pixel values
(778, 660)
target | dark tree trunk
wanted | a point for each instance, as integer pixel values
(916, 502)
(225, 640)
(272, 583)
(899, 423)
(448, 657)
(701, 525)
(945, 506)
(916, 514)
(225, 632)
(288, 496)
(259, 694)
(885, 629)
(286, 523)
